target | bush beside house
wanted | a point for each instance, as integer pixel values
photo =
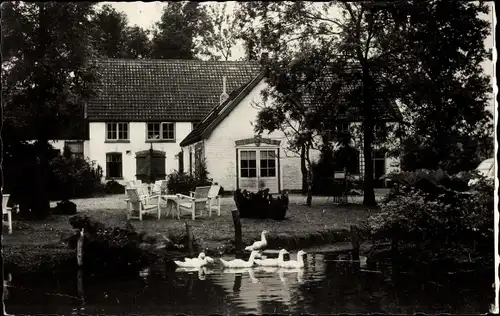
(183, 183)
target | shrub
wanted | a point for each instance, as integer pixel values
(183, 183)
(261, 204)
(72, 177)
(428, 215)
(113, 187)
(108, 248)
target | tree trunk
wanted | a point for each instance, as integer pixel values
(369, 193)
(41, 202)
(303, 168)
(309, 178)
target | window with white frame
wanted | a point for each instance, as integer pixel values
(248, 163)
(161, 131)
(114, 167)
(267, 163)
(117, 131)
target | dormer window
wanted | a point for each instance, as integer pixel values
(161, 131)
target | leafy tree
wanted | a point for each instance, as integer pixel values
(113, 38)
(383, 51)
(443, 85)
(137, 43)
(219, 42)
(109, 32)
(180, 31)
(46, 78)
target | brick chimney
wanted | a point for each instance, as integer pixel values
(224, 95)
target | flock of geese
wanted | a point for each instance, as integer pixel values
(256, 258)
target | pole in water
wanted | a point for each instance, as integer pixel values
(79, 248)
(238, 243)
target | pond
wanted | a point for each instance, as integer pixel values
(326, 285)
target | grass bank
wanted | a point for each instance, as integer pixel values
(35, 244)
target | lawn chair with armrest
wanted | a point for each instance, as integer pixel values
(197, 200)
(213, 196)
(141, 204)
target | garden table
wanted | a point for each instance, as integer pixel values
(173, 199)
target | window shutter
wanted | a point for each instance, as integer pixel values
(158, 167)
(142, 166)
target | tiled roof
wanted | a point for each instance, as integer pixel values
(164, 89)
(218, 113)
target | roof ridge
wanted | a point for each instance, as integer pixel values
(178, 60)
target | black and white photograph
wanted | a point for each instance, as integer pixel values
(249, 157)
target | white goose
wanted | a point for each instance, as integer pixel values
(294, 264)
(194, 263)
(272, 262)
(238, 263)
(258, 245)
(200, 257)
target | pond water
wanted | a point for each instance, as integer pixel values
(325, 285)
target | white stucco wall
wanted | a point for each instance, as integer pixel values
(98, 147)
(220, 149)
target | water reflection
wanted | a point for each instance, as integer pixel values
(325, 285)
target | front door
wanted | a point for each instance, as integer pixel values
(258, 170)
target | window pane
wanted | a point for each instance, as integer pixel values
(271, 163)
(153, 130)
(253, 155)
(252, 163)
(122, 131)
(244, 164)
(263, 173)
(168, 130)
(111, 130)
(271, 172)
(244, 173)
(271, 154)
(252, 173)
(244, 155)
(263, 164)
(263, 155)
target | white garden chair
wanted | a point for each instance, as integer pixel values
(196, 201)
(141, 204)
(213, 196)
(6, 211)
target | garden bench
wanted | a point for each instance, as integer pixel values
(141, 203)
(6, 211)
(197, 200)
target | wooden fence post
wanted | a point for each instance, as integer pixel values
(355, 242)
(189, 234)
(79, 248)
(79, 278)
(238, 243)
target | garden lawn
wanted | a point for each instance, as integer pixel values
(30, 239)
